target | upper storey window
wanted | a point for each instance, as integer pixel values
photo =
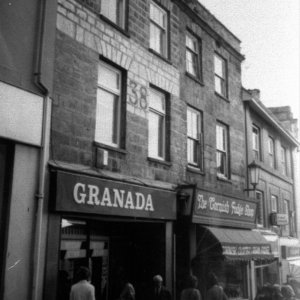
(256, 142)
(283, 157)
(220, 75)
(271, 150)
(114, 10)
(108, 113)
(222, 150)
(158, 30)
(194, 138)
(157, 124)
(193, 64)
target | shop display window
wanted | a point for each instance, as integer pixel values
(113, 252)
(236, 279)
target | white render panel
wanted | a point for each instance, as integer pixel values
(21, 115)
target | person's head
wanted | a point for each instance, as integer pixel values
(157, 281)
(211, 280)
(191, 281)
(83, 273)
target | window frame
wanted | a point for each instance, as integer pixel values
(256, 152)
(164, 51)
(283, 160)
(121, 111)
(164, 137)
(274, 200)
(286, 207)
(198, 163)
(223, 78)
(197, 54)
(261, 205)
(271, 152)
(123, 26)
(226, 174)
(96, 6)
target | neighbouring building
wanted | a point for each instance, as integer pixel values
(271, 145)
(26, 68)
(215, 215)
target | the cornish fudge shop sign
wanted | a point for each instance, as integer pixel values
(214, 208)
(87, 194)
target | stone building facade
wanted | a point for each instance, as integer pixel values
(272, 144)
(147, 151)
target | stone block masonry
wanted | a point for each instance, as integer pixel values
(82, 39)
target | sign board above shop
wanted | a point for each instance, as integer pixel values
(93, 195)
(215, 209)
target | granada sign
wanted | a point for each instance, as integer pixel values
(210, 208)
(80, 193)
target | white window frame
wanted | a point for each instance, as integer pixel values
(222, 135)
(261, 205)
(271, 151)
(193, 67)
(256, 142)
(163, 29)
(100, 132)
(106, 7)
(194, 138)
(220, 76)
(155, 138)
(274, 203)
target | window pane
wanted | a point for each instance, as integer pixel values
(107, 118)
(219, 66)
(218, 85)
(108, 77)
(113, 10)
(158, 15)
(191, 63)
(156, 135)
(274, 203)
(221, 138)
(191, 43)
(156, 39)
(157, 101)
(193, 151)
(221, 163)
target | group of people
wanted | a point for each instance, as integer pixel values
(84, 290)
(276, 292)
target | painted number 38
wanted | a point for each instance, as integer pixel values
(139, 95)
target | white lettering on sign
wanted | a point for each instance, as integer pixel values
(218, 206)
(91, 195)
(227, 207)
(237, 209)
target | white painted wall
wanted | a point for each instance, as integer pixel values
(21, 115)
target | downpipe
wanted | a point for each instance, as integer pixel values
(40, 198)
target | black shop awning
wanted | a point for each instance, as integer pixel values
(232, 244)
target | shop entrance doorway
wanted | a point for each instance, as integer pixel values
(115, 252)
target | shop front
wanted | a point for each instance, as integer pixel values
(290, 259)
(221, 241)
(121, 231)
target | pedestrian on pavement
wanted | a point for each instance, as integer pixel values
(288, 292)
(276, 292)
(214, 289)
(83, 290)
(128, 291)
(191, 292)
(159, 292)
